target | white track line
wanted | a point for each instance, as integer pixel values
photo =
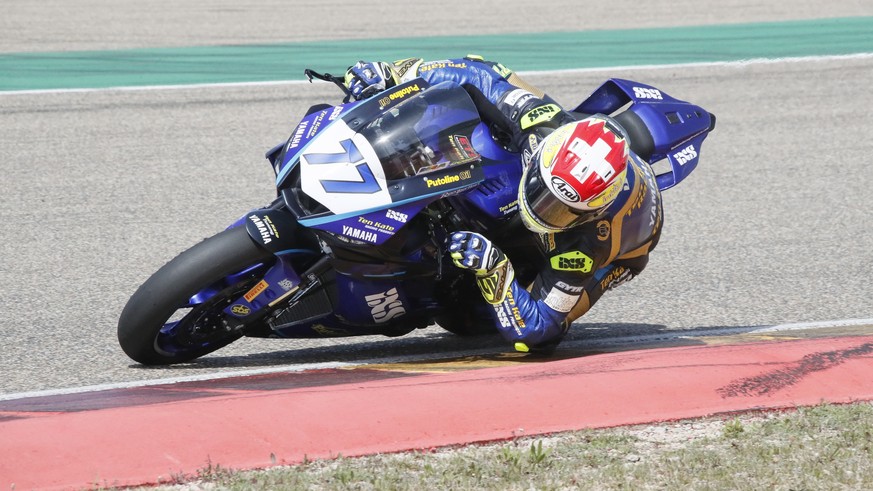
(590, 343)
(727, 64)
(814, 325)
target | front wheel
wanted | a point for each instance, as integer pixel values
(177, 314)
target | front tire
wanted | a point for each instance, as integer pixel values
(160, 325)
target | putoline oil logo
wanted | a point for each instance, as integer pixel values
(449, 179)
(398, 94)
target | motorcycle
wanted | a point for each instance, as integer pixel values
(368, 193)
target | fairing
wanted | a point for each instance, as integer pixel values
(677, 127)
(384, 159)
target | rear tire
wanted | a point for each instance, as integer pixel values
(470, 315)
(466, 325)
(145, 330)
(641, 140)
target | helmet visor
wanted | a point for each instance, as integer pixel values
(545, 208)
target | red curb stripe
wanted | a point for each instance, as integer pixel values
(185, 391)
(240, 430)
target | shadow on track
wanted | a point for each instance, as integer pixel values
(582, 340)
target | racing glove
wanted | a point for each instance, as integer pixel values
(365, 79)
(494, 273)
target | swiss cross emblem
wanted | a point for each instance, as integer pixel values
(591, 158)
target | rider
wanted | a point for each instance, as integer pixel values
(594, 206)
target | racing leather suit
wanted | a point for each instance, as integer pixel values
(568, 271)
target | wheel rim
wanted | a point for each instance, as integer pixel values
(203, 325)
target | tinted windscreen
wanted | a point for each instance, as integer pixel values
(429, 131)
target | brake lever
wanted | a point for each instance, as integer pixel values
(310, 74)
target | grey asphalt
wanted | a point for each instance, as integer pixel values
(101, 188)
(76, 25)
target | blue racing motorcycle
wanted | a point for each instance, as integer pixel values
(368, 193)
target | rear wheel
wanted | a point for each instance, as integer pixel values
(164, 323)
(467, 324)
(469, 315)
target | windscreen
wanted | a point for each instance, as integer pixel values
(366, 160)
(426, 132)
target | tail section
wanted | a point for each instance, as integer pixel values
(659, 126)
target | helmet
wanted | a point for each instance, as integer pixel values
(574, 175)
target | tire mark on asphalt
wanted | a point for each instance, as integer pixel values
(777, 380)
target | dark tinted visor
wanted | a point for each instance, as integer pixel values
(545, 207)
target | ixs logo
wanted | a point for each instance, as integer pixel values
(502, 318)
(335, 113)
(396, 215)
(644, 93)
(686, 155)
(572, 261)
(385, 306)
(538, 115)
(508, 316)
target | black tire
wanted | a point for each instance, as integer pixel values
(467, 313)
(641, 140)
(466, 325)
(144, 332)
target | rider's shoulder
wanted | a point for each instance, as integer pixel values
(407, 68)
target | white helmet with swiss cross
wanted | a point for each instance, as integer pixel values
(575, 173)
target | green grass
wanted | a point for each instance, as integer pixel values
(822, 447)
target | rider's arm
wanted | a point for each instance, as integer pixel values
(501, 96)
(530, 323)
(529, 320)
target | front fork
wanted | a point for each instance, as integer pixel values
(277, 284)
(274, 229)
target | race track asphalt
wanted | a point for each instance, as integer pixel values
(101, 188)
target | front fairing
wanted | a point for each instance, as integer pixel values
(362, 170)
